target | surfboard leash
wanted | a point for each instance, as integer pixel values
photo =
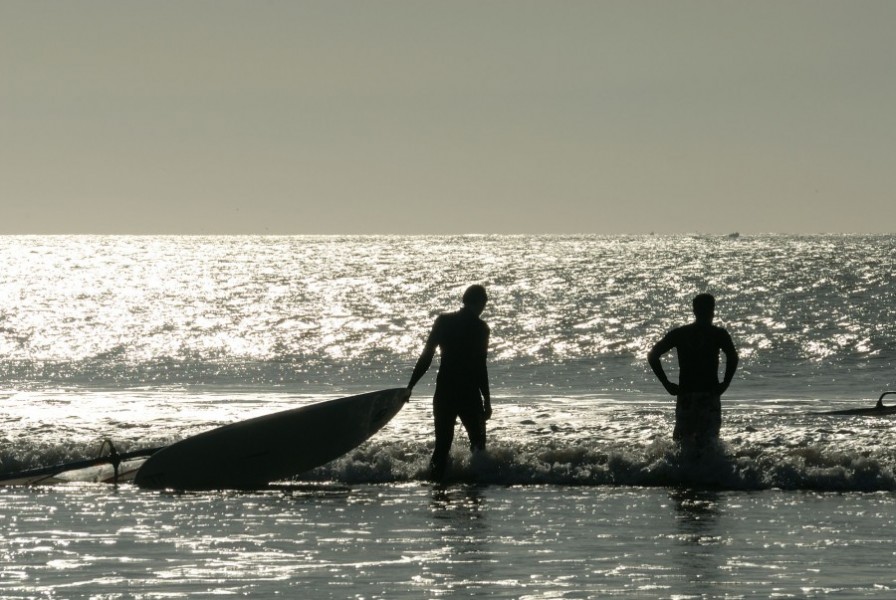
(880, 401)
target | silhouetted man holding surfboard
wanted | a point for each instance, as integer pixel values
(698, 408)
(462, 383)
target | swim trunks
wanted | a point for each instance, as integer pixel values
(698, 417)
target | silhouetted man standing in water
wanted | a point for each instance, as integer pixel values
(698, 409)
(462, 383)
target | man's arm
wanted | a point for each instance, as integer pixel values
(655, 362)
(731, 360)
(483, 379)
(425, 360)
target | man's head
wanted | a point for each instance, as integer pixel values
(704, 307)
(475, 299)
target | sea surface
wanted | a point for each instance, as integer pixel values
(581, 493)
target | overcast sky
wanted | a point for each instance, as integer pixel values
(455, 116)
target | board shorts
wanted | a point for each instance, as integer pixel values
(698, 417)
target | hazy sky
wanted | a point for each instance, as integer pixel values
(454, 116)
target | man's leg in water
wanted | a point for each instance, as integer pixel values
(472, 416)
(712, 421)
(445, 417)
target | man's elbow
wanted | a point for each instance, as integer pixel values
(732, 360)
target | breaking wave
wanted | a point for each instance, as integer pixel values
(662, 463)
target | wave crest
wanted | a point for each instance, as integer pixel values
(663, 463)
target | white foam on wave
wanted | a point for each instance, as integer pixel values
(661, 463)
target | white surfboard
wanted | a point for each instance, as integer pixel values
(251, 454)
(110, 468)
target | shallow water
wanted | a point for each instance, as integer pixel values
(581, 493)
(415, 541)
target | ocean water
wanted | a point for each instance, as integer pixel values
(581, 494)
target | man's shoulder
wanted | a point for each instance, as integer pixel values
(681, 330)
(720, 331)
(719, 335)
(443, 320)
(695, 329)
(447, 317)
(452, 318)
(463, 321)
(723, 337)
